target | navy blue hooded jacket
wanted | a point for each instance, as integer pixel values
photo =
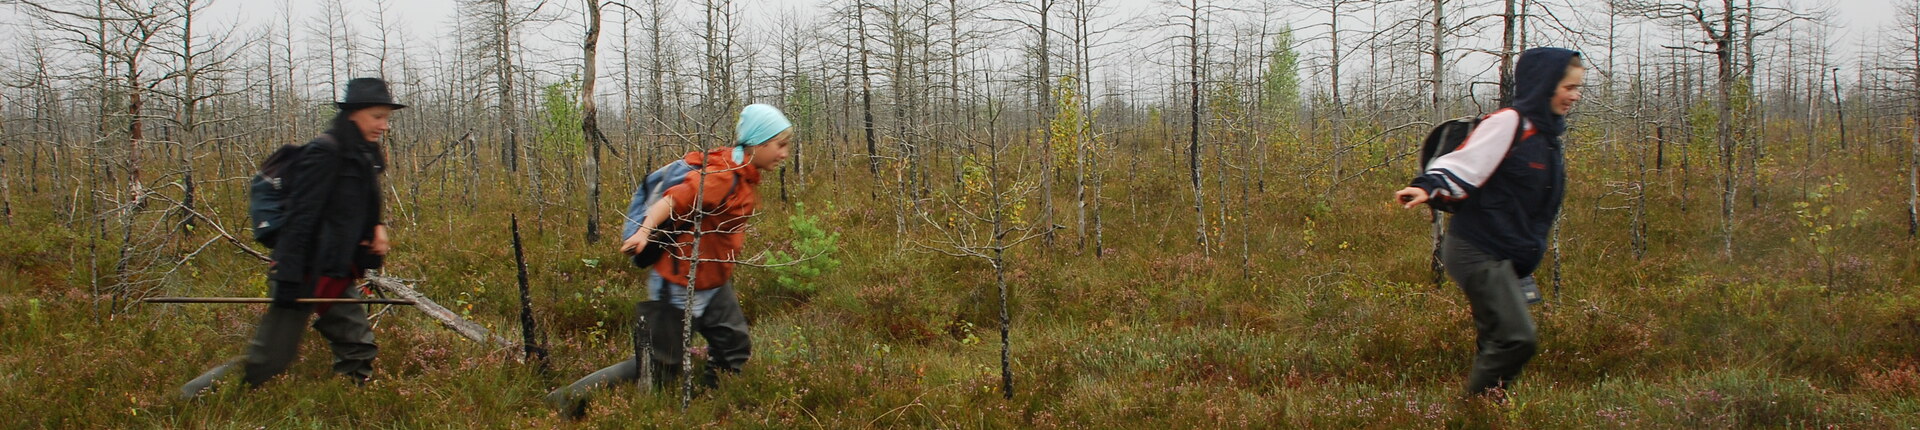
(1511, 200)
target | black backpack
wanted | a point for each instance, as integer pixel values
(267, 194)
(1450, 135)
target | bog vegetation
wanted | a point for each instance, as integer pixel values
(1179, 210)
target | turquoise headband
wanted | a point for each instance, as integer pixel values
(758, 124)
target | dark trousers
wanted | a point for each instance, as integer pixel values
(1507, 338)
(722, 324)
(276, 342)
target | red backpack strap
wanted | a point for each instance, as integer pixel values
(1521, 132)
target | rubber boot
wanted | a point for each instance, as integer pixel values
(194, 388)
(571, 400)
(665, 324)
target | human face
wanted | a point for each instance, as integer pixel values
(372, 121)
(1568, 92)
(767, 156)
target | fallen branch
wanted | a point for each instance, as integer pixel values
(447, 318)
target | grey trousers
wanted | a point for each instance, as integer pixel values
(722, 324)
(1507, 337)
(276, 342)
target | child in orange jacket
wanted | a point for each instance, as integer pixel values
(720, 195)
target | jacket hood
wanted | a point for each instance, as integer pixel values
(1535, 77)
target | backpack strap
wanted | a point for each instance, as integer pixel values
(731, 189)
(1521, 132)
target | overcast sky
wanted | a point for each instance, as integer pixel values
(1852, 14)
(425, 22)
(1854, 18)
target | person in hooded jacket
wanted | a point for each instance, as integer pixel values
(722, 188)
(332, 234)
(1506, 191)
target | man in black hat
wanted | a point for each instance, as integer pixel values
(332, 234)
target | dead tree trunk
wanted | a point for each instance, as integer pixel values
(1910, 14)
(590, 119)
(1723, 104)
(1193, 126)
(1506, 55)
(531, 347)
(6, 184)
(866, 91)
(503, 74)
(1438, 114)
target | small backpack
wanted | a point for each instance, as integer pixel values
(267, 194)
(1449, 136)
(650, 191)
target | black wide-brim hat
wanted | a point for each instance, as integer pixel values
(364, 92)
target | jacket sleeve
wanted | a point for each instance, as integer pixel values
(1461, 172)
(710, 199)
(379, 202)
(309, 179)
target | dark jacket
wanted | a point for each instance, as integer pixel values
(1511, 214)
(333, 203)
